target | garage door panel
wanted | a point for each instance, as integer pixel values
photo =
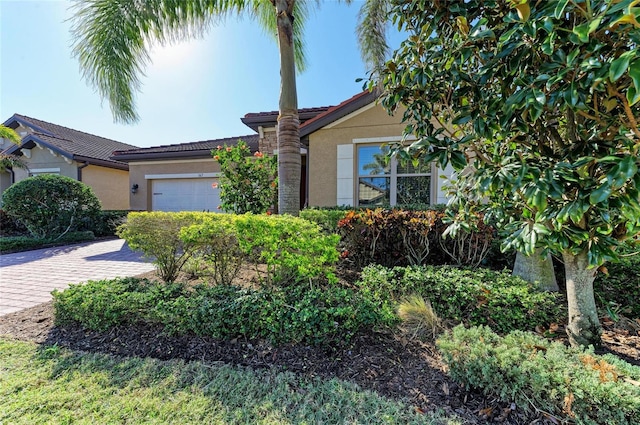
(185, 195)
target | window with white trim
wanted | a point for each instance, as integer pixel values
(384, 181)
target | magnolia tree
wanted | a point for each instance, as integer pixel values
(541, 99)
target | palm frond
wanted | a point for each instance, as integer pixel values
(112, 39)
(264, 13)
(10, 135)
(12, 161)
(373, 20)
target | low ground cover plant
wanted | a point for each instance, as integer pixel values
(476, 297)
(569, 384)
(51, 205)
(24, 243)
(314, 315)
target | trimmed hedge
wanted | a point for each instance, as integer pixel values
(536, 374)
(290, 314)
(26, 243)
(475, 297)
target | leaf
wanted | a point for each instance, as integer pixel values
(619, 66)
(634, 73)
(583, 31)
(560, 6)
(600, 195)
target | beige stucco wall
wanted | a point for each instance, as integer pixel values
(111, 186)
(369, 122)
(141, 201)
(43, 159)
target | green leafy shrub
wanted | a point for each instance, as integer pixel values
(248, 184)
(9, 226)
(217, 248)
(100, 305)
(292, 248)
(619, 291)
(284, 314)
(107, 222)
(26, 243)
(570, 384)
(51, 205)
(475, 297)
(326, 218)
(157, 235)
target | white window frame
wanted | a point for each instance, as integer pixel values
(393, 171)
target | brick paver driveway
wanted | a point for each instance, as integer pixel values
(27, 278)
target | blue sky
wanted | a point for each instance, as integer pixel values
(196, 90)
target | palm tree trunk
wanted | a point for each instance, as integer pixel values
(289, 160)
(584, 327)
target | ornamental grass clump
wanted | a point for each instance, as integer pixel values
(566, 383)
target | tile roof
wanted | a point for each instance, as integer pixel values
(68, 142)
(192, 149)
(269, 119)
(336, 112)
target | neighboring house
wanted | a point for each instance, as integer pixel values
(53, 149)
(343, 162)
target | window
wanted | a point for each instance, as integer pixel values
(41, 171)
(388, 181)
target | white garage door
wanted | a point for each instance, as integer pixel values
(185, 195)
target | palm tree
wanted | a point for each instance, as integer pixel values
(112, 40)
(10, 161)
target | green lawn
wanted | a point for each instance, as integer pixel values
(58, 386)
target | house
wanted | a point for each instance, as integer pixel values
(343, 162)
(53, 149)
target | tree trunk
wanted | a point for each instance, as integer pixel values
(289, 160)
(536, 268)
(584, 327)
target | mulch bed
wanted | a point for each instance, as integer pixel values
(387, 363)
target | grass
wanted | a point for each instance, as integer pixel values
(58, 386)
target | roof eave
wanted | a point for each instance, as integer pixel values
(118, 165)
(124, 157)
(331, 116)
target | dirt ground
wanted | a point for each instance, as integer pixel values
(388, 363)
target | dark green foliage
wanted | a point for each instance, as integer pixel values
(326, 218)
(51, 205)
(619, 292)
(9, 226)
(289, 314)
(100, 305)
(26, 243)
(107, 222)
(571, 384)
(476, 297)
